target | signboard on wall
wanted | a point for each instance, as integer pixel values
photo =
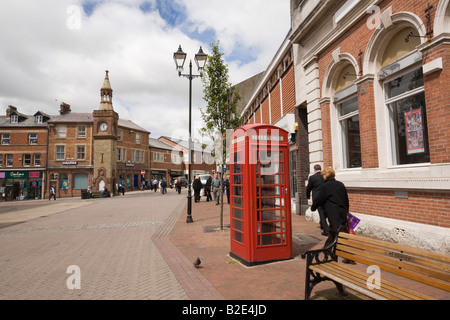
(21, 175)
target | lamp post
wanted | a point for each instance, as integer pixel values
(200, 60)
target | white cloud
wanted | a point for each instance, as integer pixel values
(50, 54)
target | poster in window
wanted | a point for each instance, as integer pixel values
(414, 131)
(65, 184)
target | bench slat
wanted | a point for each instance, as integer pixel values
(395, 289)
(357, 281)
(398, 247)
(403, 265)
(404, 273)
(351, 285)
(420, 260)
(352, 277)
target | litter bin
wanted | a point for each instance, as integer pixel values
(84, 194)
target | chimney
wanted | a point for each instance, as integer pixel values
(64, 108)
(10, 110)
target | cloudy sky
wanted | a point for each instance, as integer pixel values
(54, 51)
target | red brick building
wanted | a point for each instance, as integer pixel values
(201, 160)
(23, 154)
(165, 161)
(374, 79)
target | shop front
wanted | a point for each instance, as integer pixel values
(21, 185)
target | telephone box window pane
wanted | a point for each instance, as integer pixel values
(270, 168)
(271, 239)
(237, 168)
(238, 202)
(270, 191)
(237, 191)
(269, 156)
(268, 203)
(239, 237)
(237, 157)
(237, 213)
(271, 227)
(237, 179)
(268, 215)
(238, 225)
(272, 179)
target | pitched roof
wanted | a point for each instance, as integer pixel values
(72, 117)
(131, 125)
(28, 121)
(158, 144)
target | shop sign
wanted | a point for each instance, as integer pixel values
(70, 163)
(265, 137)
(20, 174)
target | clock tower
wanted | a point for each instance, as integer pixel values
(105, 140)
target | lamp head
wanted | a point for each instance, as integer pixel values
(200, 60)
(179, 57)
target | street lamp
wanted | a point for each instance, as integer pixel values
(200, 60)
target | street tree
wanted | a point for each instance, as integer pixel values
(220, 114)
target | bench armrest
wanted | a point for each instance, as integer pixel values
(325, 254)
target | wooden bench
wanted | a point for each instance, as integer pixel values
(98, 194)
(418, 265)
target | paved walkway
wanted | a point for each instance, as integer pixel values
(109, 240)
(284, 280)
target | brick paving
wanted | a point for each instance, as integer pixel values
(109, 239)
(283, 280)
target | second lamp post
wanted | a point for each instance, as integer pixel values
(200, 60)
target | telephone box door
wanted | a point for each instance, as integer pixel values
(272, 203)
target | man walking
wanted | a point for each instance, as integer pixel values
(314, 183)
(215, 183)
(163, 186)
(52, 194)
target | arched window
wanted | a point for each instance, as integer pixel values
(346, 101)
(404, 94)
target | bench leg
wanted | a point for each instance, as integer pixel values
(311, 280)
(340, 288)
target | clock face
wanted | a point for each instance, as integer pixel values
(103, 126)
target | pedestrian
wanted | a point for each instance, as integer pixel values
(52, 193)
(105, 192)
(226, 188)
(197, 186)
(178, 185)
(215, 183)
(89, 192)
(333, 196)
(163, 186)
(208, 189)
(315, 181)
(155, 184)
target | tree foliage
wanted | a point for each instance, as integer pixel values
(220, 113)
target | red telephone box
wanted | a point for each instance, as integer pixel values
(260, 204)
